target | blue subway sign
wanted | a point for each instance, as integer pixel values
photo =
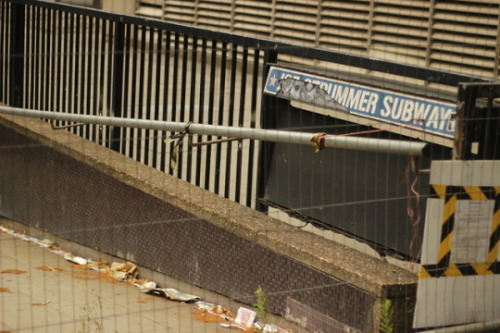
(404, 110)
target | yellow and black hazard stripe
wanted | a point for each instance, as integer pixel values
(451, 194)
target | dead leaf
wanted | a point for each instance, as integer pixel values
(12, 271)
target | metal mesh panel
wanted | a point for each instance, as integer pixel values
(79, 203)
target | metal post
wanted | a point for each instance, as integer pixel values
(268, 120)
(477, 126)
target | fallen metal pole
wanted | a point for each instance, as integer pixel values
(319, 140)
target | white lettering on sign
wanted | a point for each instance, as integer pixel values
(421, 114)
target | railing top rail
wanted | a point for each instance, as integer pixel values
(384, 66)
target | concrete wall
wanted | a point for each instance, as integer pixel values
(75, 189)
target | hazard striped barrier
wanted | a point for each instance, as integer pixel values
(451, 195)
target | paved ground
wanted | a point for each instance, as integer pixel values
(42, 292)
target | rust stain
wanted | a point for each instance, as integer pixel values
(5, 290)
(100, 264)
(12, 271)
(110, 279)
(81, 276)
(93, 275)
(144, 299)
(86, 275)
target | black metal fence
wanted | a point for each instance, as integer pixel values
(78, 60)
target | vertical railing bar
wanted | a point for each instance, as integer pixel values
(17, 54)
(230, 121)
(117, 82)
(3, 54)
(157, 134)
(133, 110)
(36, 57)
(90, 73)
(82, 91)
(192, 93)
(175, 78)
(8, 60)
(253, 115)
(3, 39)
(39, 60)
(140, 114)
(8, 57)
(65, 63)
(43, 61)
(148, 133)
(6, 51)
(104, 84)
(109, 83)
(241, 116)
(51, 37)
(201, 107)
(48, 97)
(51, 57)
(5, 45)
(165, 110)
(126, 88)
(94, 129)
(77, 54)
(28, 59)
(58, 60)
(100, 92)
(71, 63)
(182, 113)
(210, 112)
(222, 84)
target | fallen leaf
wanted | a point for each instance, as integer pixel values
(40, 304)
(12, 271)
(207, 317)
(50, 269)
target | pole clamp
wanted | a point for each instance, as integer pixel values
(318, 141)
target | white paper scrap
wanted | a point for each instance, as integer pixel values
(245, 317)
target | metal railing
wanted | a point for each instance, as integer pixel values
(67, 59)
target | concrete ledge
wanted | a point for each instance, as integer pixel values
(370, 275)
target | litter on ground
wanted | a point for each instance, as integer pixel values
(127, 272)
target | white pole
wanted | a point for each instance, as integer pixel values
(491, 326)
(412, 148)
